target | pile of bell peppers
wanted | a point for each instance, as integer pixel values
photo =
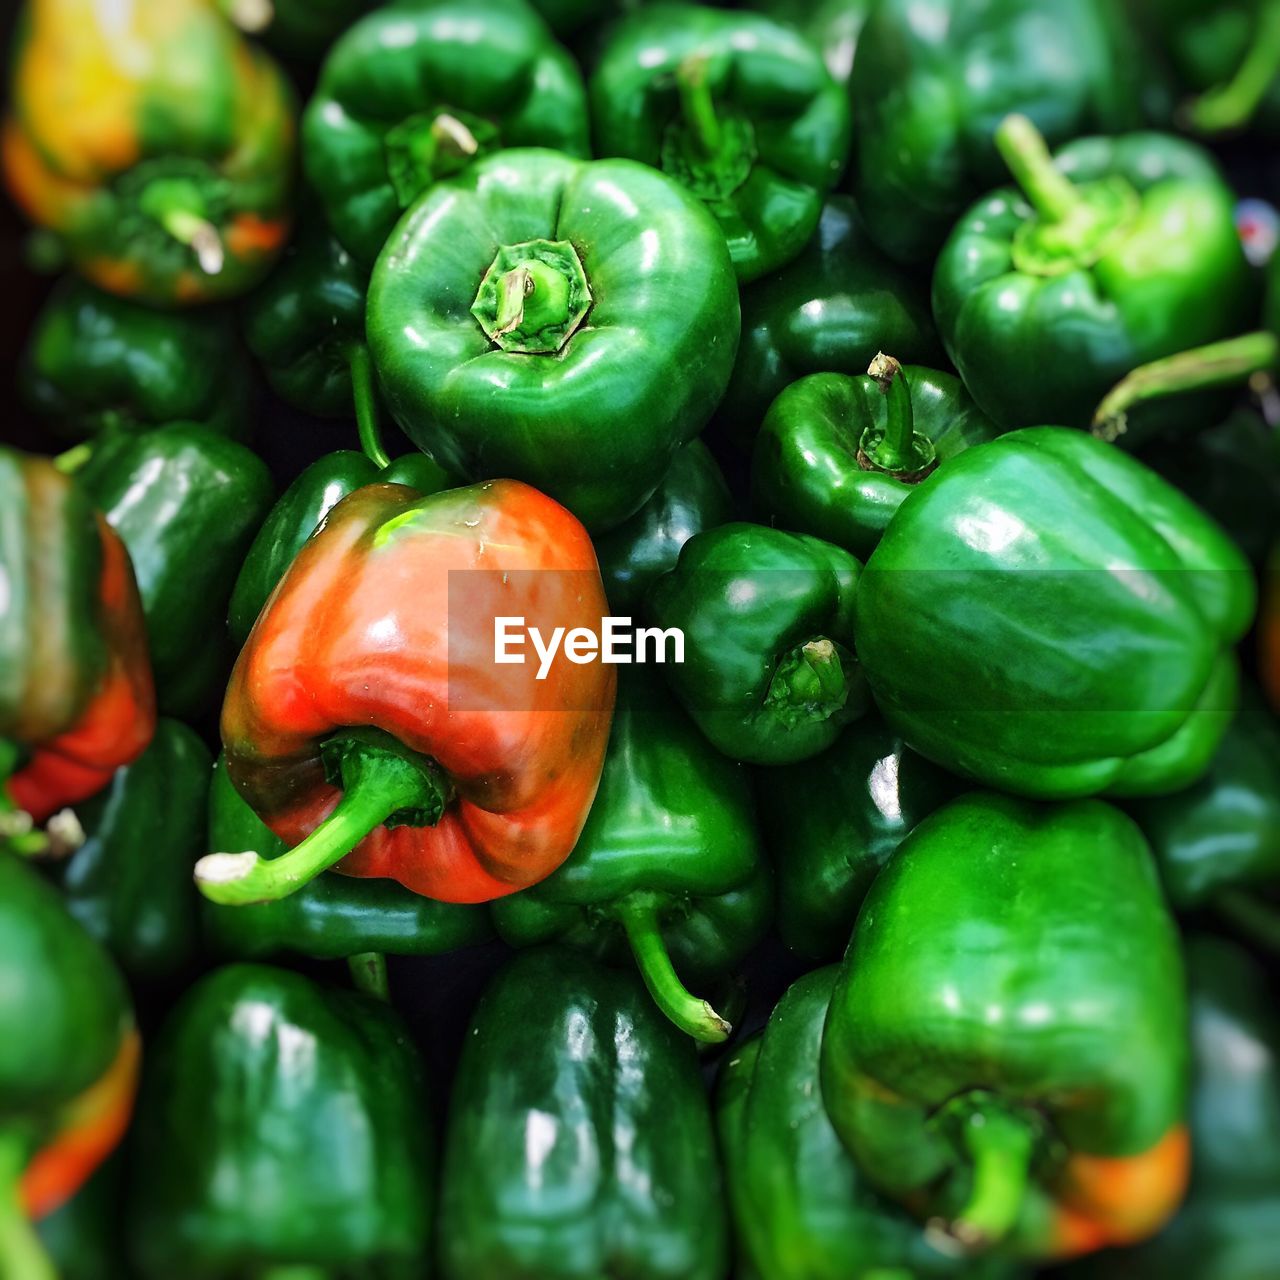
(640, 639)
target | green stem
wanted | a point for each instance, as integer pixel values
(693, 1016)
(1232, 105)
(810, 682)
(1023, 148)
(895, 451)
(698, 105)
(365, 395)
(369, 974)
(515, 288)
(1217, 365)
(999, 1146)
(22, 1256)
(447, 131)
(378, 782)
(1257, 920)
(199, 235)
(71, 460)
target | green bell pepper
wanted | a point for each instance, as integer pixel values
(579, 1141)
(837, 455)
(1226, 1230)
(300, 509)
(283, 1130)
(829, 311)
(85, 1237)
(934, 78)
(832, 26)
(737, 108)
(1005, 1051)
(414, 93)
(95, 362)
(129, 884)
(830, 824)
(692, 497)
(769, 673)
(1049, 617)
(187, 503)
(801, 1209)
(335, 917)
(1113, 253)
(668, 866)
(600, 339)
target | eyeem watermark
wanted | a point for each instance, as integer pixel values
(618, 642)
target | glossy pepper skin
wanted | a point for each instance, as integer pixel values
(1116, 251)
(769, 674)
(833, 26)
(1226, 1229)
(668, 868)
(76, 694)
(579, 1141)
(129, 884)
(837, 455)
(830, 824)
(1029, 947)
(413, 94)
(187, 503)
(95, 363)
(633, 318)
(68, 1066)
(828, 311)
(933, 80)
(281, 1124)
(334, 917)
(801, 1209)
(300, 509)
(739, 109)
(1047, 616)
(167, 174)
(694, 496)
(482, 777)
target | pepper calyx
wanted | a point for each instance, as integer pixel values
(429, 146)
(533, 298)
(810, 683)
(708, 150)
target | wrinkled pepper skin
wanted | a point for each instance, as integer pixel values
(1030, 949)
(413, 94)
(68, 1061)
(76, 693)
(668, 867)
(1226, 1230)
(655, 349)
(769, 674)
(155, 141)
(332, 918)
(933, 78)
(1006, 646)
(431, 693)
(830, 824)
(129, 884)
(281, 1124)
(187, 503)
(580, 1141)
(694, 496)
(96, 363)
(739, 109)
(829, 311)
(833, 26)
(810, 473)
(300, 509)
(801, 1209)
(1042, 319)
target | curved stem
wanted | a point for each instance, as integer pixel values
(71, 460)
(1257, 920)
(365, 396)
(199, 235)
(22, 1256)
(1023, 148)
(810, 682)
(999, 1146)
(693, 1016)
(895, 452)
(698, 105)
(448, 131)
(1216, 365)
(369, 974)
(1232, 105)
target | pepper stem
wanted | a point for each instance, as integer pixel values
(810, 682)
(516, 286)
(69, 461)
(1256, 919)
(252, 16)
(61, 836)
(999, 1146)
(698, 105)
(693, 1016)
(1232, 105)
(173, 203)
(22, 1256)
(1215, 365)
(897, 448)
(378, 782)
(369, 974)
(1024, 150)
(365, 396)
